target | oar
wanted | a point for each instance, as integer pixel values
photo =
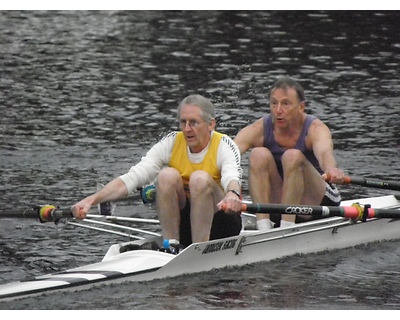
(361, 181)
(104, 208)
(26, 213)
(372, 183)
(355, 211)
(47, 213)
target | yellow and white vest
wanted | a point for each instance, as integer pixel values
(180, 160)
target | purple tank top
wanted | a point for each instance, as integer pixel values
(277, 151)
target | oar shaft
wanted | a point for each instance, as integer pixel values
(26, 213)
(44, 213)
(351, 212)
(293, 209)
(361, 181)
(59, 213)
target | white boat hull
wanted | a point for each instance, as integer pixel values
(249, 247)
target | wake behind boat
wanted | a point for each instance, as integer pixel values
(140, 260)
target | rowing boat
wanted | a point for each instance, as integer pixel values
(139, 260)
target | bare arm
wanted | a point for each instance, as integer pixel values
(140, 174)
(250, 136)
(322, 145)
(112, 191)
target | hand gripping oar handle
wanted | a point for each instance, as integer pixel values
(355, 211)
(361, 181)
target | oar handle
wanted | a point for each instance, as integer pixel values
(361, 181)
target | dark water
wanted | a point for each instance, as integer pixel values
(83, 95)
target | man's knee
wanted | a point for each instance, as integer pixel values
(200, 182)
(292, 157)
(260, 156)
(168, 179)
(168, 174)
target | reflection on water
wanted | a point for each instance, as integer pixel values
(84, 94)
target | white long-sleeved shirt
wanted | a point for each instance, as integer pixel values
(146, 171)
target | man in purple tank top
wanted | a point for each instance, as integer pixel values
(291, 156)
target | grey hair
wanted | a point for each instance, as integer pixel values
(206, 106)
(286, 83)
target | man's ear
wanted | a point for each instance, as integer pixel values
(212, 124)
(302, 105)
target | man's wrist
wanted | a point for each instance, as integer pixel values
(235, 192)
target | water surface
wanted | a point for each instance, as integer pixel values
(84, 94)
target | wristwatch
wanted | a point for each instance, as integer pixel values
(235, 192)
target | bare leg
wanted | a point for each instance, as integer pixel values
(169, 201)
(302, 183)
(265, 183)
(204, 196)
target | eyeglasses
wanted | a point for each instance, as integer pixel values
(191, 123)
